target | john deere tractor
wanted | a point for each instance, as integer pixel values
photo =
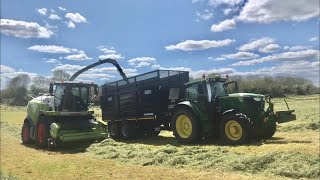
(63, 114)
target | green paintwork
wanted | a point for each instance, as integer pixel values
(35, 108)
(257, 107)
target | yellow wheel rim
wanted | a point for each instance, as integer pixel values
(184, 126)
(233, 130)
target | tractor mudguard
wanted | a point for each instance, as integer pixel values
(188, 105)
(229, 111)
(285, 116)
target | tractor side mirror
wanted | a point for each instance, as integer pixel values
(51, 88)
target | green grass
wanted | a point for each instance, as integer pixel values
(292, 153)
(4, 176)
(307, 111)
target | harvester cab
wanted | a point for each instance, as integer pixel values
(72, 96)
(63, 115)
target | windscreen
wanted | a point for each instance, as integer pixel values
(218, 89)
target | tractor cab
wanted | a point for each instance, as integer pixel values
(73, 96)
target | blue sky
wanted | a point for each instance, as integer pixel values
(235, 37)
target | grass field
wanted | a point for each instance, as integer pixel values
(293, 152)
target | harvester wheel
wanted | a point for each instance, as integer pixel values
(42, 134)
(186, 127)
(114, 130)
(234, 129)
(269, 131)
(25, 133)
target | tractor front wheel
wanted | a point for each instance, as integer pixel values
(269, 131)
(186, 127)
(25, 133)
(234, 129)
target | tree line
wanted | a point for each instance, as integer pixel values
(19, 87)
(276, 86)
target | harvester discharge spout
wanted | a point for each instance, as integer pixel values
(112, 61)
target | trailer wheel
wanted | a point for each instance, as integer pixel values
(234, 129)
(42, 134)
(127, 130)
(269, 131)
(25, 133)
(186, 126)
(114, 130)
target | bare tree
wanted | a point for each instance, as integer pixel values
(60, 75)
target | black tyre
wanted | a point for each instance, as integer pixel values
(269, 131)
(128, 130)
(114, 130)
(185, 126)
(42, 134)
(234, 129)
(152, 133)
(25, 133)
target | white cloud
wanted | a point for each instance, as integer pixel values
(206, 15)
(286, 56)
(268, 11)
(81, 56)
(299, 48)
(52, 61)
(52, 49)
(156, 66)
(227, 11)
(6, 69)
(256, 44)
(141, 61)
(54, 17)
(314, 39)
(264, 45)
(226, 2)
(224, 25)
(269, 48)
(24, 29)
(191, 45)
(62, 9)
(107, 50)
(68, 67)
(111, 56)
(71, 25)
(76, 17)
(42, 11)
(240, 55)
(110, 52)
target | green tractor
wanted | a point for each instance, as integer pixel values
(208, 110)
(63, 114)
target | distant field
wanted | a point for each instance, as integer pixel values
(293, 152)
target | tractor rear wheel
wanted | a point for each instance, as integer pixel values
(114, 129)
(185, 125)
(25, 133)
(42, 134)
(269, 131)
(234, 129)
